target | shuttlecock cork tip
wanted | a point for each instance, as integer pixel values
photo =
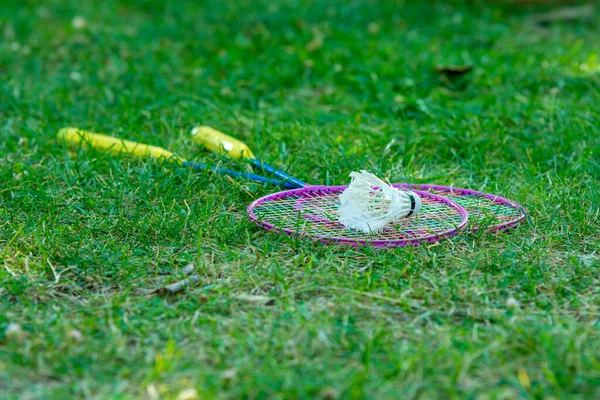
(415, 203)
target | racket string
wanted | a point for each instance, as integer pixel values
(316, 212)
(482, 210)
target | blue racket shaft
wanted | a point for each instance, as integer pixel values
(236, 174)
(294, 182)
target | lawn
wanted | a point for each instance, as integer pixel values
(319, 89)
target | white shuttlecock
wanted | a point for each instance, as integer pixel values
(368, 204)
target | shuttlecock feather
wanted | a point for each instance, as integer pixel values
(368, 204)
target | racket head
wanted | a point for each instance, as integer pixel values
(311, 213)
(488, 211)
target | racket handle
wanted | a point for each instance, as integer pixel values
(78, 137)
(219, 142)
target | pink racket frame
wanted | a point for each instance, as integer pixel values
(353, 241)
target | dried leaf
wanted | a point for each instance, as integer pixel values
(185, 271)
(257, 299)
(188, 269)
(177, 286)
(565, 14)
(453, 70)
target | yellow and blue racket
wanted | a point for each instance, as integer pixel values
(81, 138)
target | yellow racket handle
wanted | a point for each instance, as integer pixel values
(219, 142)
(78, 137)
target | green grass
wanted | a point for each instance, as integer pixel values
(319, 89)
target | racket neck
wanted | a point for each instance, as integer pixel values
(246, 175)
(288, 180)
